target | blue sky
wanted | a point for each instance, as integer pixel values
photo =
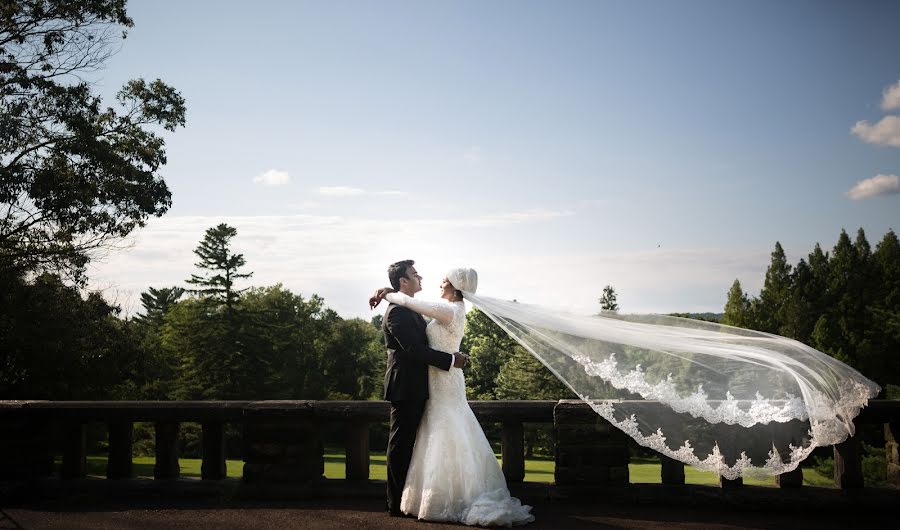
(557, 147)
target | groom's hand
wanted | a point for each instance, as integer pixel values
(460, 359)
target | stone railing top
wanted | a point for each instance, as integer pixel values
(537, 411)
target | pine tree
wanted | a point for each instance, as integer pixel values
(215, 256)
(799, 314)
(156, 302)
(885, 309)
(775, 293)
(737, 308)
(608, 300)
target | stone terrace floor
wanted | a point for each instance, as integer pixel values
(360, 514)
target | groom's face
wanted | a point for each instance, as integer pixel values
(413, 281)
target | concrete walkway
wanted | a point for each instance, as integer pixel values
(358, 514)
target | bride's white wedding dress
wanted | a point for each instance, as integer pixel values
(454, 474)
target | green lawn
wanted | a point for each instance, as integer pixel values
(641, 470)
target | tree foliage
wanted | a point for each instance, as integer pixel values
(608, 299)
(845, 303)
(221, 266)
(75, 176)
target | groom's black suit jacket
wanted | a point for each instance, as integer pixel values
(406, 377)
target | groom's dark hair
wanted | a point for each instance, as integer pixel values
(397, 271)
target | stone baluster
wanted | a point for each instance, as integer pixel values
(672, 470)
(848, 464)
(213, 465)
(166, 466)
(357, 451)
(512, 451)
(892, 452)
(74, 451)
(120, 440)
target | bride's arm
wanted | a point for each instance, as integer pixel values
(440, 311)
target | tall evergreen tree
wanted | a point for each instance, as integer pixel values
(737, 308)
(608, 299)
(770, 310)
(222, 266)
(885, 310)
(156, 302)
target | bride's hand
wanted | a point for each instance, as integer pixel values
(379, 295)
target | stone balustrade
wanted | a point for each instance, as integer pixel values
(283, 446)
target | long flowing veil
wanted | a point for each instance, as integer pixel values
(729, 400)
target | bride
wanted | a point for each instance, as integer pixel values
(454, 474)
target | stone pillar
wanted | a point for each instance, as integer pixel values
(672, 471)
(791, 479)
(512, 451)
(120, 440)
(213, 465)
(24, 450)
(727, 484)
(357, 451)
(848, 464)
(166, 466)
(589, 450)
(74, 457)
(892, 452)
(282, 447)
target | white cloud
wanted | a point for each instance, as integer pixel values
(891, 97)
(473, 154)
(885, 132)
(340, 191)
(272, 177)
(875, 186)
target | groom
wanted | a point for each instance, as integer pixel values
(406, 377)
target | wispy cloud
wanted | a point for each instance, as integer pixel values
(340, 191)
(347, 191)
(874, 187)
(518, 217)
(343, 259)
(337, 257)
(891, 97)
(272, 177)
(885, 132)
(473, 154)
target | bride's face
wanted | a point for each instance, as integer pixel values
(448, 292)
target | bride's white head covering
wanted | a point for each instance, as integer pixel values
(466, 280)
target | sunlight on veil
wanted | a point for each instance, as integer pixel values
(732, 401)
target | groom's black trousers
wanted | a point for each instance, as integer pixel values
(405, 418)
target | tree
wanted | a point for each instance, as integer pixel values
(737, 308)
(215, 257)
(885, 312)
(770, 309)
(57, 344)
(156, 303)
(608, 300)
(74, 176)
(489, 348)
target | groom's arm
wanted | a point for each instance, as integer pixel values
(402, 326)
